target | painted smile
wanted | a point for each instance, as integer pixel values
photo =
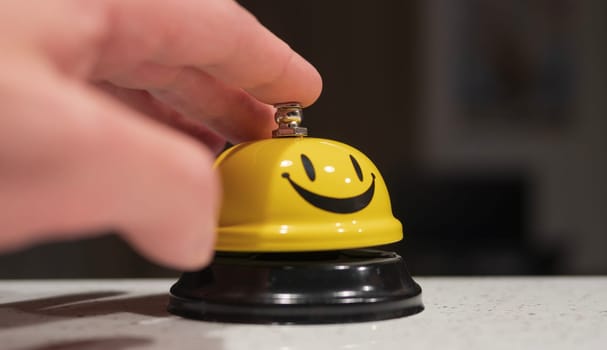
(335, 205)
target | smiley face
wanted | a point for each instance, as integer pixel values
(345, 205)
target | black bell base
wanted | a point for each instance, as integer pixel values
(298, 288)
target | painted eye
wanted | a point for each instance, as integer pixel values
(356, 166)
(308, 167)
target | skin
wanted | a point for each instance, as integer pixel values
(113, 111)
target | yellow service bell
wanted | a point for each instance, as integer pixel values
(294, 210)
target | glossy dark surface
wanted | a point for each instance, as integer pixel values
(322, 287)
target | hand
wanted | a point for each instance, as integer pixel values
(78, 81)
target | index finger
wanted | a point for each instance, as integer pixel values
(217, 36)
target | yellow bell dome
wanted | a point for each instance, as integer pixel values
(299, 194)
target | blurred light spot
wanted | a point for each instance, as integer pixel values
(345, 293)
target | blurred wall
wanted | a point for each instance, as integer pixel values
(487, 119)
(547, 60)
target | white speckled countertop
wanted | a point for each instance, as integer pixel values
(461, 313)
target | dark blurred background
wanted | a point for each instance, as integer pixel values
(486, 117)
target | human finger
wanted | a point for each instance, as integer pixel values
(76, 161)
(218, 37)
(227, 111)
(145, 103)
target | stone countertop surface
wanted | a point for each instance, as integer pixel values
(461, 313)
